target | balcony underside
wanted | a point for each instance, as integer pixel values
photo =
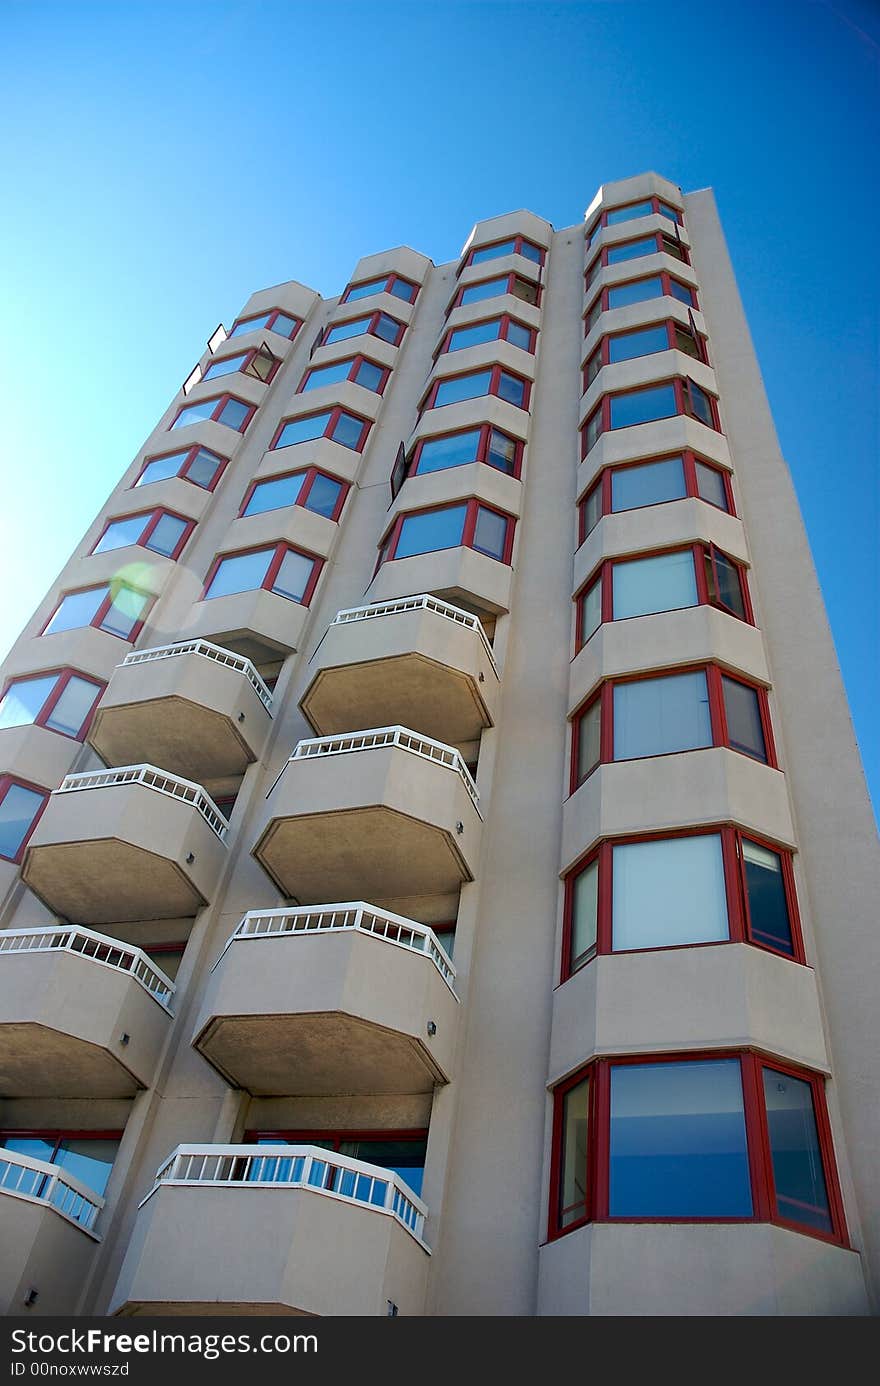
(409, 689)
(174, 733)
(105, 881)
(38, 1061)
(209, 1309)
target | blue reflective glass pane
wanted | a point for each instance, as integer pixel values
(369, 376)
(678, 1141)
(88, 1161)
(323, 495)
(655, 717)
(160, 468)
(284, 325)
(463, 387)
(328, 375)
(242, 573)
(473, 336)
(24, 699)
(511, 388)
(475, 293)
(166, 535)
(681, 292)
(637, 291)
(293, 576)
(742, 712)
(631, 250)
(303, 430)
(439, 453)
(651, 483)
(203, 468)
(638, 209)
(387, 328)
(274, 494)
(668, 893)
(122, 532)
(371, 286)
(769, 921)
(641, 343)
(401, 289)
(643, 406)
(343, 330)
(591, 610)
(233, 414)
(710, 485)
(18, 809)
(490, 533)
(492, 252)
(348, 431)
(73, 707)
(226, 366)
(501, 452)
(530, 252)
(668, 211)
(125, 611)
(433, 529)
(519, 336)
(195, 413)
(798, 1173)
(250, 324)
(76, 609)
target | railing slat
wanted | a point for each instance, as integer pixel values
(422, 602)
(121, 957)
(152, 778)
(48, 1184)
(206, 650)
(380, 737)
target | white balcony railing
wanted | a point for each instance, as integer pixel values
(38, 1182)
(295, 1167)
(206, 650)
(422, 602)
(378, 738)
(152, 778)
(107, 952)
(330, 919)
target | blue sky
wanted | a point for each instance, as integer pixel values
(219, 148)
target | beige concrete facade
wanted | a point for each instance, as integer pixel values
(378, 779)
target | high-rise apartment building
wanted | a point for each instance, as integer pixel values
(436, 872)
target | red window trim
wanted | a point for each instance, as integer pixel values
(517, 250)
(371, 330)
(601, 260)
(738, 919)
(457, 301)
(386, 289)
(601, 413)
(601, 304)
(220, 402)
(717, 716)
(495, 373)
(335, 412)
(602, 219)
(311, 474)
(268, 326)
(764, 1206)
(602, 348)
(151, 520)
(189, 456)
(504, 321)
(175, 946)
(701, 552)
(356, 363)
(65, 673)
(689, 462)
(486, 430)
(249, 354)
(103, 609)
(281, 547)
(6, 783)
(472, 504)
(309, 1134)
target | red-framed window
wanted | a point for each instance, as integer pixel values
(378, 324)
(654, 481)
(695, 1136)
(667, 335)
(337, 424)
(63, 700)
(168, 955)
(258, 362)
(647, 206)
(161, 531)
(527, 290)
(484, 443)
(468, 524)
(198, 465)
(358, 369)
(684, 889)
(86, 1155)
(621, 252)
(646, 290)
(280, 568)
(273, 320)
(402, 1151)
(21, 804)
(314, 490)
(393, 284)
(647, 404)
(659, 580)
(667, 712)
(512, 245)
(225, 409)
(492, 380)
(114, 607)
(500, 329)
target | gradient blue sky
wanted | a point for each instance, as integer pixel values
(161, 162)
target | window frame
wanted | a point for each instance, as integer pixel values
(389, 541)
(600, 303)
(657, 203)
(311, 474)
(374, 317)
(64, 673)
(603, 483)
(250, 353)
(189, 454)
(602, 348)
(457, 301)
(334, 413)
(485, 430)
(103, 610)
(504, 321)
(273, 314)
(220, 402)
(151, 520)
(763, 1191)
(281, 547)
(355, 364)
(600, 415)
(9, 781)
(389, 279)
(518, 241)
(602, 261)
(496, 370)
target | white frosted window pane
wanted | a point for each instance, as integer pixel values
(23, 700)
(667, 893)
(645, 585)
(656, 717)
(73, 707)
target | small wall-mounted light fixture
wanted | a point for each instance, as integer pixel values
(190, 858)
(241, 717)
(31, 1297)
(431, 1027)
(392, 1310)
(459, 827)
(124, 1038)
(481, 677)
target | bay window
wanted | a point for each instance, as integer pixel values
(310, 488)
(272, 321)
(278, 568)
(358, 369)
(377, 324)
(114, 607)
(161, 531)
(62, 700)
(655, 243)
(198, 465)
(513, 245)
(21, 804)
(469, 524)
(258, 363)
(503, 328)
(494, 380)
(484, 443)
(644, 341)
(647, 207)
(225, 409)
(648, 404)
(655, 481)
(525, 289)
(340, 426)
(392, 284)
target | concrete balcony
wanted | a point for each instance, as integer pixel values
(339, 998)
(460, 576)
(46, 1232)
(260, 626)
(126, 844)
(192, 707)
(371, 814)
(419, 662)
(81, 1015)
(248, 1230)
